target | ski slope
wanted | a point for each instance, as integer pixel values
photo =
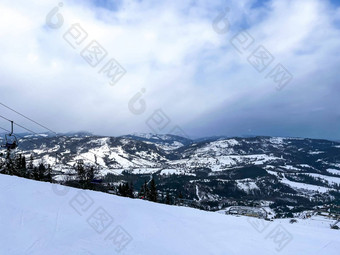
(41, 218)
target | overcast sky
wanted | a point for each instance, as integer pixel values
(204, 67)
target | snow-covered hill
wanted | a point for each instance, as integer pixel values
(40, 218)
(212, 172)
(166, 142)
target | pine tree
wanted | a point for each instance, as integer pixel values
(120, 190)
(41, 172)
(180, 196)
(30, 167)
(153, 191)
(141, 193)
(146, 191)
(130, 190)
(35, 173)
(126, 189)
(90, 174)
(23, 162)
(17, 168)
(49, 173)
(162, 198)
(167, 198)
(23, 168)
(9, 168)
(81, 173)
(123, 189)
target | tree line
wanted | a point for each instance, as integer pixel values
(19, 167)
(84, 178)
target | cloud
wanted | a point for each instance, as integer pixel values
(187, 69)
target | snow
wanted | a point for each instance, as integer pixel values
(315, 152)
(48, 160)
(197, 193)
(333, 171)
(304, 186)
(105, 171)
(305, 165)
(35, 135)
(145, 170)
(176, 172)
(117, 156)
(41, 218)
(221, 163)
(277, 140)
(272, 173)
(330, 179)
(168, 147)
(164, 141)
(247, 185)
(289, 167)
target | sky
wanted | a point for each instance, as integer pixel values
(193, 68)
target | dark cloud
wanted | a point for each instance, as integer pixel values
(171, 51)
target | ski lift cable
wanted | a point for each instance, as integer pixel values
(24, 138)
(21, 137)
(4, 129)
(29, 130)
(35, 123)
(5, 118)
(27, 118)
(36, 134)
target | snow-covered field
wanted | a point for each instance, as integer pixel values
(330, 179)
(304, 186)
(41, 218)
(334, 171)
(175, 171)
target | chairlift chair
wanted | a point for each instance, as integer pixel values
(11, 141)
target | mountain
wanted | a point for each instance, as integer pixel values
(43, 218)
(211, 173)
(166, 142)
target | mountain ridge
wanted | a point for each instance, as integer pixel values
(210, 173)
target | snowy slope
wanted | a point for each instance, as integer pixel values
(41, 218)
(286, 168)
(165, 142)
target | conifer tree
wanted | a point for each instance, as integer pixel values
(141, 193)
(90, 174)
(126, 189)
(120, 190)
(41, 172)
(9, 168)
(130, 190)
(153, 191)
(180, 196)
(167, 198)
(30, 168)
(146, 191)
(49, 173)
(35, 173)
